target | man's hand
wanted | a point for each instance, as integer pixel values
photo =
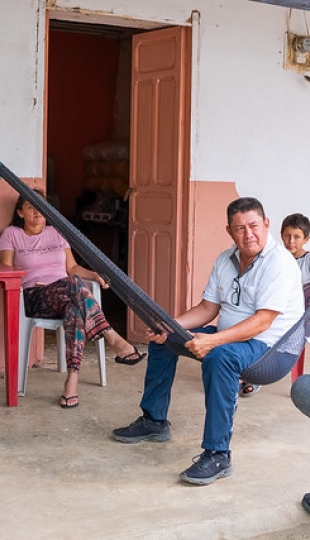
(157, 338)
(201, 344)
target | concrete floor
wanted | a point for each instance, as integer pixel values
(64, 477)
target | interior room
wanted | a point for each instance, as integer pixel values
(88, 135)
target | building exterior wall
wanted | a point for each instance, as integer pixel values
(251, 117)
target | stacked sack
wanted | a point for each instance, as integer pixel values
(106, 167)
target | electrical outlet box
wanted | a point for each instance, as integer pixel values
(297, 52)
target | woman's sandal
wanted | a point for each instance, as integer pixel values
(128, 360)
(65, 405)
(248, 389)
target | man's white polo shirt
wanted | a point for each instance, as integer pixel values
(272, 282)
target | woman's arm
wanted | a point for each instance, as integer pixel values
(73, 267)
(7, 257)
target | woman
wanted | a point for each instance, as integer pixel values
(54, 288)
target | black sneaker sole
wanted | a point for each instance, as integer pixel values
(205, 481)
(157, 437)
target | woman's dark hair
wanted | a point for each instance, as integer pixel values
(297, 221)
(17, 220)
(244, 204)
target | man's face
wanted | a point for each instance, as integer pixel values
(249, 231)
(294, 240)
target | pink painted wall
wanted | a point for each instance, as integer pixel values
(8, 198)
(207, 234)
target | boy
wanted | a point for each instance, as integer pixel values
(295, 233)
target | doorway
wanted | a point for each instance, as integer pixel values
(88, 135)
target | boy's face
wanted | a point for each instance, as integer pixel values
(294, 240)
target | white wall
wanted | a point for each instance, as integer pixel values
(253, 117)
(21, 85)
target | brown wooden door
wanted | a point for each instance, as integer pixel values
(159, 169)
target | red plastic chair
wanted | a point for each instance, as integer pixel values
(298, 369)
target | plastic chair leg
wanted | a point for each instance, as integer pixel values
(24, 349)
(100, 350)
(61, 350)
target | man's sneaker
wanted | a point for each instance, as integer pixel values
(306, 502)
(208, 467)
(143, 429)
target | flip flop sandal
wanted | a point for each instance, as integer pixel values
(247, 389)
(65, 405)
(128, 360)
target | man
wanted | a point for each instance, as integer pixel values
(255, 290)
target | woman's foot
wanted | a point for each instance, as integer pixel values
(69, 398)
(69, 402)
(123, 349)
(130, 359)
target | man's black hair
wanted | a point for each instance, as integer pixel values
(244, 204)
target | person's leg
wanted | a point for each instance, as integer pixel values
(155, 402)
(71, 299)
(68, 299)
(69, 398)
(125, 352)
(159, 377)
(221, 370)
(61, 299)
(50, 302)
(86, 316)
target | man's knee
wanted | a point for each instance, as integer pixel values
(224, 361)
(218, 355)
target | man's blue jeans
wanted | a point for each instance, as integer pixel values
(221, 371)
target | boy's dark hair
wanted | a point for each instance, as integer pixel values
(244, 204)
(296, 221)
(16, 219)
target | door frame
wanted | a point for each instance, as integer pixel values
(144, 24)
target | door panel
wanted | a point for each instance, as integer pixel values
(159, 169)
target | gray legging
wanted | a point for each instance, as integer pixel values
(300, 394)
